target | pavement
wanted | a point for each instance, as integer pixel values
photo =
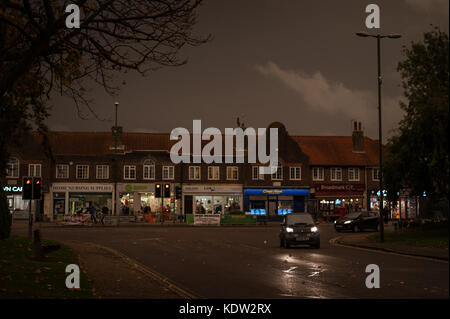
(361, 240)
(114, 275)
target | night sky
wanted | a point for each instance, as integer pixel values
(298, 62)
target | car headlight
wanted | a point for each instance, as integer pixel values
(335, 221)
(314, 229)
(289, 229)
(348, 222)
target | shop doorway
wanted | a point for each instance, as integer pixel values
(272, 209)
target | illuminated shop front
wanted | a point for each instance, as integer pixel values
(212, 199)
(335, 200)
(138, 198)
(17, 206)
(75, 198)
(275, 202)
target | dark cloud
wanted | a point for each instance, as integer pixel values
(298, 62)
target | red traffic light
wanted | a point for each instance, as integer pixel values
(38, 181)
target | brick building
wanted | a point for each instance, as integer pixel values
(119, 171)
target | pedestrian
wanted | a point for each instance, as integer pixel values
(91, 211)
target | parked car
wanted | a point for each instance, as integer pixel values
(299, 228)
(358, 221)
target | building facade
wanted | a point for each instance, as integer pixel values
(323, 175)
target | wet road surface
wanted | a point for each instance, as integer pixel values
(247, 262)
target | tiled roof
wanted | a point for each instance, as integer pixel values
(321, 150)
(337, 150)
(99, 143)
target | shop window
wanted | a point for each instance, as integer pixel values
(318, 173)
(34, 170)
(168, 172)
(102, 172)
(129, 172)
(82, 171)
(12, 168)
(295, 173)
(336, 174)
(278, 175)
(353, 174)
(194, 172)
(62, 171)
(232, 173)
(255, 173)
(214, 173)
(149, 169)
(375, 174)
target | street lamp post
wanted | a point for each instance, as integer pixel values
(379, 37)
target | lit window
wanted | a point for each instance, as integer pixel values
(232, 173)
(278, 175)
(353, 174)
(149, 169)
(214, 172)
(168, 172)
(34, 170)
(375, 174)
(102, 172)
(318, 173)
(12, 168)
(129, 172)
(194, 172)
(295, 173)
(62, 171)
(82, 171)
(336, 174)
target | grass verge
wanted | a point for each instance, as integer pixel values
(23, 277)
(432, 238)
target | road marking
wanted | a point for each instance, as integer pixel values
(182, 292)
(333, 241)
(290, 269)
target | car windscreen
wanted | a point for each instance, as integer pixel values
(352, 216)
(299, 219)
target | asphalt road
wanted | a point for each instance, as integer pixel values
(247, 262)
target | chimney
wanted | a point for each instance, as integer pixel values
(358, 138)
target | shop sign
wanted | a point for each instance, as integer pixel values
(340, 188)
(211, 189)
(206, 219)
(276, 191)
(82, 188)
(12, 189)
(136, 187)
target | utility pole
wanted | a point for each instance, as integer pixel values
(380, 140)
(116, 213)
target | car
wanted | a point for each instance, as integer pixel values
(299, 229)
(358, 221)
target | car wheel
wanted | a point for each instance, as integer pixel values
(377, 228)
(316, 246)
(356, 229)
(281, 243)
(337, 230)
(286, 244)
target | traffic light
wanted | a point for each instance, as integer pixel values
(157, 190)
(37, 183)
(166, 190)
(177, 192)
(27, 188)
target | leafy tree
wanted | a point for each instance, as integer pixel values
(417, 156)
(40, 55)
